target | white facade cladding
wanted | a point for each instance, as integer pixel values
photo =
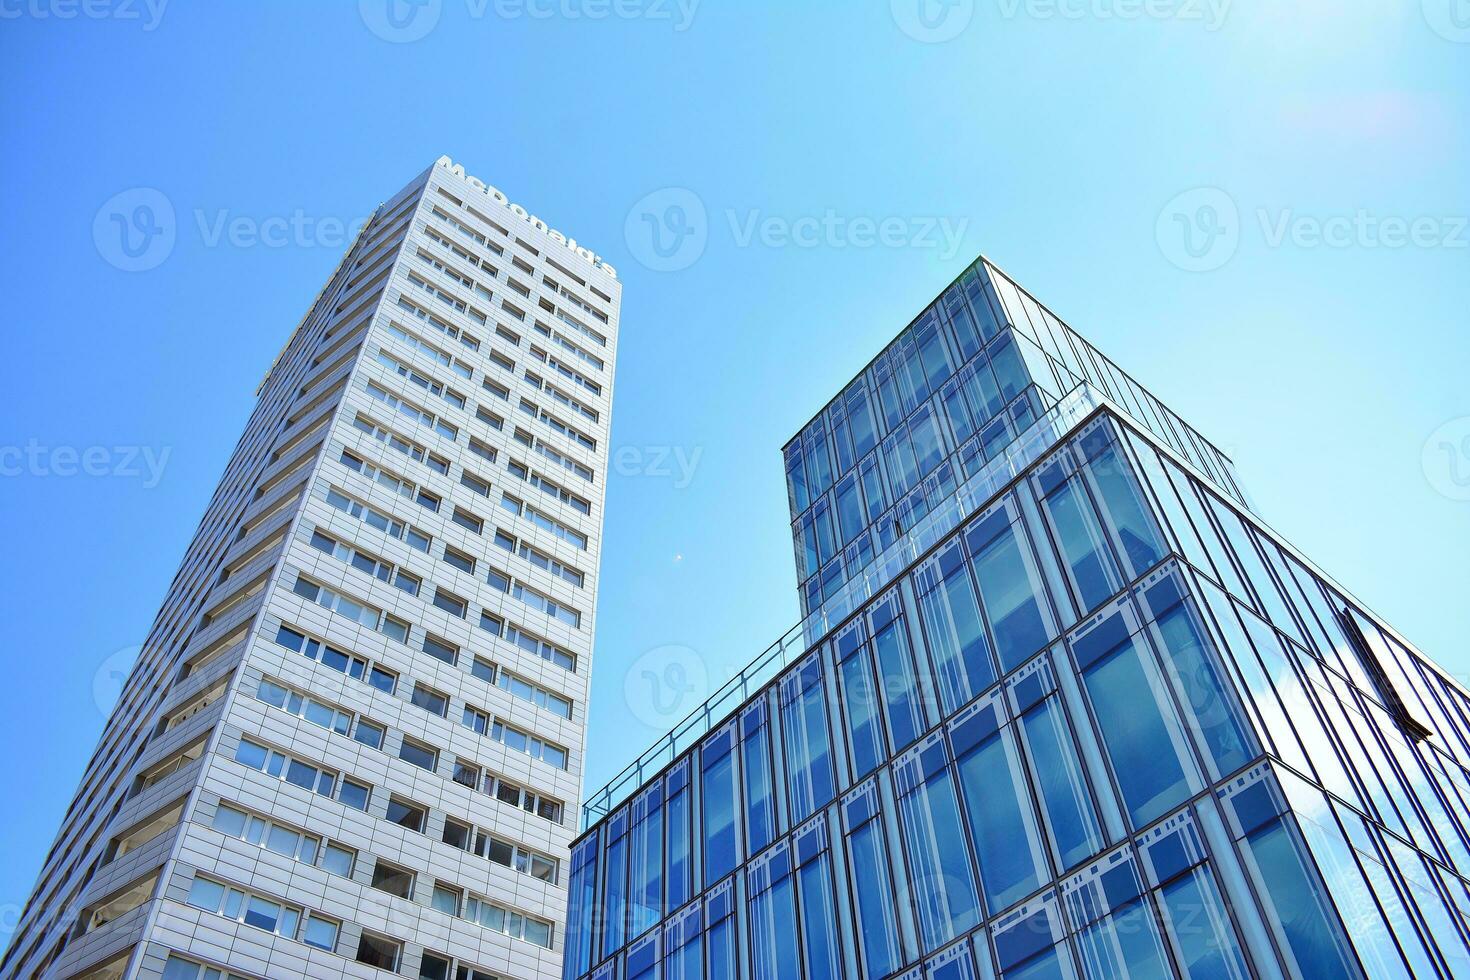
(353, 741)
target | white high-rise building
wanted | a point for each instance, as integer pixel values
(353, 741)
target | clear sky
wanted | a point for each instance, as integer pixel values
(1257, 208)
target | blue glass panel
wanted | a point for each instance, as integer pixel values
(582, 906)
(1084, 550)
(760, 811)
(864, 728)
(1210, 703)
(1136, 733)
(1124, 946)
(819, 921)
(1303, 909)
(1010, 587)
(808, 751)
(614, 928)
(718, 794)
(1047, 966)
(721, 942)
(1066, 803)
(896, 683)
(1002, 826)
(645, 892)
(1009, 369)
(873, 893)
(686, 962)
(1124, 507)
(943, 883)
(680, 884)
(1200, 930)
(773, 952)
(955, 634)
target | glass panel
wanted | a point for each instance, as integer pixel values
(1200, 930)
(1083, 548)
(864, 729)
(1066, 803)
(1303, 910)
(614, 910)
(808, 754)
(1002, 825)
(873, 893)
(1138, 734)
(1124, 507)
(1010, 586)
(897, 684)
(819, 921)
(720, 846)
(1124, 946)
(956, 638)
(943, 883)
(1210, 703)
(645, 892)
(760, 813)
(680, 886)
(773, 934)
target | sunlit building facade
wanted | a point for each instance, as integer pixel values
(352, 742)
(1061, 706)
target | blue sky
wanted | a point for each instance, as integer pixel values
(1312, 321)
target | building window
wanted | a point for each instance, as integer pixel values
(320, 932)
(418, 755)
(440, 649)
(406, 814)
(379, 951)
(393, 880)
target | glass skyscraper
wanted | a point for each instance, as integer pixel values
(1061, 706)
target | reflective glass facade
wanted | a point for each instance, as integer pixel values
(1105, 723)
